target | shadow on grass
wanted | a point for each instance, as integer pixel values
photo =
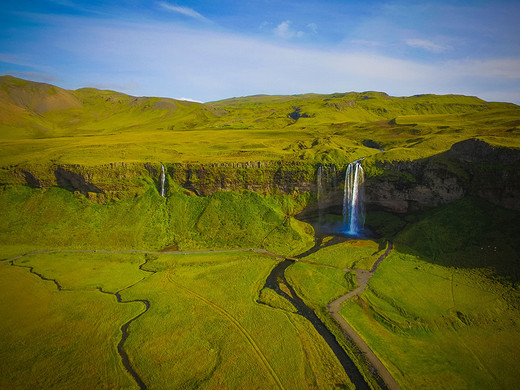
(469, 233)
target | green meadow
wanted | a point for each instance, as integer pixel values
(181, 221)
(204, 327)
(442, 311)
(44, 125)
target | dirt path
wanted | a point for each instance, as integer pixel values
(363, 276)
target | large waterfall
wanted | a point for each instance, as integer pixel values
(354, 200)
(163, 178)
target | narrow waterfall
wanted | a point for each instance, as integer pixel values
(320, 184)
(163, 178)
(354, 200)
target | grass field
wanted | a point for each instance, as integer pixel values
(328, 278)
(239, 343)
(59, 339)
(439, 327)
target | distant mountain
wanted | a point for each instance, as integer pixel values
(30, 109)
(418, 151)
(43, 123)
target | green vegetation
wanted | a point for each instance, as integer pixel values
(61, 339)
(239, 343)
(80, 173)
(444, 307)
(317, 285)
(102, 127)
(432, 325)
(181, 221)
(348, 254)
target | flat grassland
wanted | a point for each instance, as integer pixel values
(204, 328)
(442, 311)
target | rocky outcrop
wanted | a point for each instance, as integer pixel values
(74, 182)
(494, 172)
(121, 180)
(413, 186)
(471, 167)
(261, 177)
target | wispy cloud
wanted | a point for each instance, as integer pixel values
(313, 27)
(426, 45)
(120, 53)
(186, 11)
(24, 60)
(35, 76)
(285, 31)
(188, 100)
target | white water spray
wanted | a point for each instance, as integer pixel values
(354, 200)
(163, 178)
(320, 184)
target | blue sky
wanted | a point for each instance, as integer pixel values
(211, 50)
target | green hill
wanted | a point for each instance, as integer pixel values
(311, 127)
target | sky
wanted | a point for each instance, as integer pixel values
(211, 50)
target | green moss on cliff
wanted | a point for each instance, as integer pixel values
(56, 218)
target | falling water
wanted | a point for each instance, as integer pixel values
(320, 184)
(354, 200)
(163, 177)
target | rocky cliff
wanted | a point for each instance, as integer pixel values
(471, 167)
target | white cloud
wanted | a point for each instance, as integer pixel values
(210, 65)
(264, 25)
(313, 27)
(182, 10)
(188, 100)
(426, 45)
(506, 68)
(285, 31)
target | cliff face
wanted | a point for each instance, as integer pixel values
(121, 180)
(470, 167)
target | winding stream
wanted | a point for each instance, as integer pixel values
(273, 282)
(124, 328)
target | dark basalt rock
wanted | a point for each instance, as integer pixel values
(470, 167)
(74, 182)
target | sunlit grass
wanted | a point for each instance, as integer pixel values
(238, 342)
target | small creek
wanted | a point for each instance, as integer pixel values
(273, 282)
(124, 328)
